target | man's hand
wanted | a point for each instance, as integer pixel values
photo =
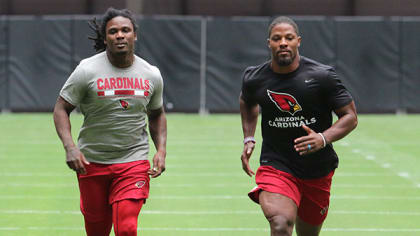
(246, 155)
(76, 160)
(309, 143)
(158, 165)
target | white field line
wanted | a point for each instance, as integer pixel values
(192, 174)
(342, 143)
(205, 166)
(191, 142)
(243, 185)
(75, 197)
(158, 212)
(266, 229)
(399, 186)
(362, 174)
(210, 229)
(20, 142)
(9, 228)
(38, 174)
(215, 197)
(38, 185)
(385, 165)
(361, 197)
(370, 230)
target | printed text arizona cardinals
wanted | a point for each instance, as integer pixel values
(290, 122)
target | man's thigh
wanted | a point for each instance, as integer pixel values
(275, 204)
(315, 201)
(130, 181)
(271, 180)
(94, 195)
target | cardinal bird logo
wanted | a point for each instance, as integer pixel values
(285, 102)
(124, 104)
(139, 184)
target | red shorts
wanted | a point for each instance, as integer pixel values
(312, 196)
(104, 184)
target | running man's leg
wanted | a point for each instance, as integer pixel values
(314, 205)
(280, 212)
(124, 216)
(305, 229)
(129, 191)
(95, 206)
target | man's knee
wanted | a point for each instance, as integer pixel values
(125, 215)
(306, 229)
(96, 219)
(127, 228)
(98, 226)
(281, 225)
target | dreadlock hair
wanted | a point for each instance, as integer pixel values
(100, 29)
(283, 19)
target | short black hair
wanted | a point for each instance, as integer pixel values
(283, 19)
(100, 29)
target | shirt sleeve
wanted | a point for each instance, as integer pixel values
(247, 89)
(74, 89)
(156, 100)
(337, 94)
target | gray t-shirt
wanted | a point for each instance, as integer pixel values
(114, 102)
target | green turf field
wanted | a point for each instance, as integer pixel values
(376, 189)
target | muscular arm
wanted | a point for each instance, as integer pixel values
(158, 132)
(74, 158)
(347, 121)
(62, 112)
(249, 117)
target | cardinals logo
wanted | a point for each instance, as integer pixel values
(139, 184)
(124, 104)
(285, 102)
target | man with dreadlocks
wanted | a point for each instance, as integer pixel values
(115, 91)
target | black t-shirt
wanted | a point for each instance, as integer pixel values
(307, 96)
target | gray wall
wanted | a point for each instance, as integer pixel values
(202, 58)
(217, 7)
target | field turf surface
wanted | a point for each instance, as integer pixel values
(376, 189)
